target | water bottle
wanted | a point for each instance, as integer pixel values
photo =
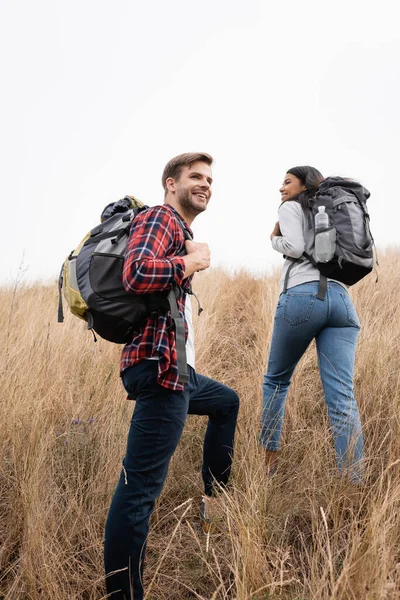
(325, 237)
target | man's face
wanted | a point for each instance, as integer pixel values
(193, 188)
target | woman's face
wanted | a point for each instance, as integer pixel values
(291, 186)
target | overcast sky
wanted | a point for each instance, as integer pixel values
(97, 96)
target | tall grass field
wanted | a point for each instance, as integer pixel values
(300, 534)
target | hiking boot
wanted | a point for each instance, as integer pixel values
(211, 513)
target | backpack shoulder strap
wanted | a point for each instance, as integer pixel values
(179, 322)
(294, 261)
(60, 318)
(180, 336)
(323, 282)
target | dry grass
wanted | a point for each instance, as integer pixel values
(302, 534)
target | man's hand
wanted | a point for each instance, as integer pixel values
(276, 231)
(197, 258)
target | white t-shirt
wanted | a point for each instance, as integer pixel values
(190, 354)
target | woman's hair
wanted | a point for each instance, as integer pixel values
(311, 178)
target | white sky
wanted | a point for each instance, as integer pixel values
(97, 96)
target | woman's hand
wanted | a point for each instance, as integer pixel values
(276, 231)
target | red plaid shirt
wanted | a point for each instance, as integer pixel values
(152, 265)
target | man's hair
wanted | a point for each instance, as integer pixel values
(174, 167)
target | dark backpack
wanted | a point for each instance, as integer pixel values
(345, 203)
(91, 278)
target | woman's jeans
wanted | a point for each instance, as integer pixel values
(155, 430)
(333, 322)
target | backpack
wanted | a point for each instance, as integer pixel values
(345, 203)
(91, 277)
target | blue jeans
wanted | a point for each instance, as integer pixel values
(333, 322)
(156, 427)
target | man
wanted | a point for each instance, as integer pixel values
(150, 374)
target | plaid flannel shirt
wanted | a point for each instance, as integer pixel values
(152, 265)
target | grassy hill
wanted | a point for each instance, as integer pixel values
(301, 534)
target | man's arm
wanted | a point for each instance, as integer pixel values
(150, 265)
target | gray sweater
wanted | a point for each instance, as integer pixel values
(297, 237)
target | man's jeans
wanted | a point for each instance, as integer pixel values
(333, 322)
(155, 430)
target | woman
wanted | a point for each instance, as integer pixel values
(301, 317)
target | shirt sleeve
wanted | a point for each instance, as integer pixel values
(291, 242)
(151, 264)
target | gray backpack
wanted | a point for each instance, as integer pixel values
(345, 203)
(91, 278)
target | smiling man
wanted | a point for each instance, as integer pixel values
(156, 262)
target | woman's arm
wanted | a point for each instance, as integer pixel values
(291, 240)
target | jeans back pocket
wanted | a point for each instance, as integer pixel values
(352, 315)
(298, 307)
